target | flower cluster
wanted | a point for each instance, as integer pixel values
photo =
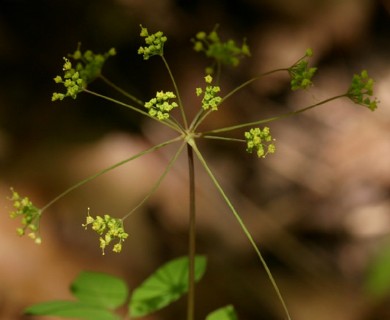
(160, 106)
(90, 64)
(108, 229)
(30, 214)
(260, 141)
(88, 67)
(301, 74)
(72, 81)
(361, 90)
(210, 100)
(155, 43)
(226, 53)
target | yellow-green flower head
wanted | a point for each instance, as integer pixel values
(361, 91)
(87, 67)
(109, 229)
(160, 106)
(260, 141)
(224, 53)
(300, 73)
(155, 43)
(30, 215)
(210, 99)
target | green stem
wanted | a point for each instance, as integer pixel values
(224, 138)
(158, 182)
(248, 82)
(198, 119)
(175, 122)
(116, 165)
(201, 118)
(121, 91)
(116, 102)
(168, 123)
(177, 91)
(243, 227)
(282, 116)
(191, 236)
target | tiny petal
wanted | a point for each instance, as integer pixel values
(201, 35)
(309, 52)
(117, 247)
(208, 78)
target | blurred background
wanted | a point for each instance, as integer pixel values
(319, 208)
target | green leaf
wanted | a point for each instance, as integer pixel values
(100, 289)
(71, 309)
(378, 279)
(165, 285)
(224, 313)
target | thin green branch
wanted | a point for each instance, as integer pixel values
(201, 116)
(198, 119)
(282, 116)
(248, 82)
(175, 122)
(123, 104)
(158, 182)
(242, 225)
(176, 91)
(224, 138)
(167, 122)
(121, 91)
(116, 165)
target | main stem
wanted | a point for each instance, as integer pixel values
(191, 236)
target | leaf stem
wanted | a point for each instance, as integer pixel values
(116, 165)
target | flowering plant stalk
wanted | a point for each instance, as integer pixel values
(167, 108)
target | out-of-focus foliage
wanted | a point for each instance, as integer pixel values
(378, 277)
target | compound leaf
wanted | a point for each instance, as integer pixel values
(71, 309)
(224, 313)
(165, 285)
(100, 289)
